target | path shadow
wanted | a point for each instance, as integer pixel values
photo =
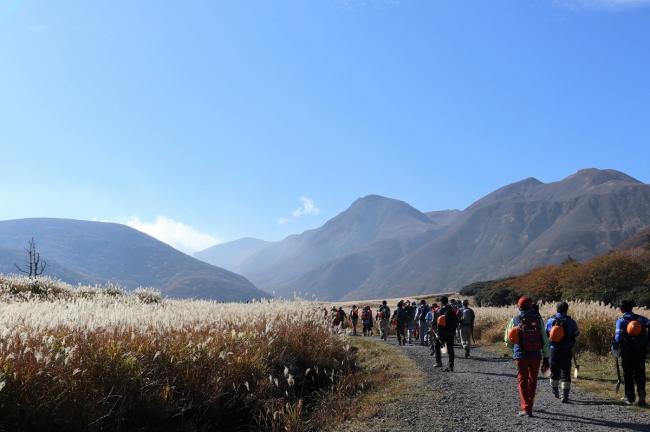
(569, 418)
(503, 375)
(490, 359)
(597, 402)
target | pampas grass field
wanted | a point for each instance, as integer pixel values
(98, 358)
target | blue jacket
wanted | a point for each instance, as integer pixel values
(517, 352)
(571, 328)
(621, 337)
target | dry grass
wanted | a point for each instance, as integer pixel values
(91, 359)
(388, 376)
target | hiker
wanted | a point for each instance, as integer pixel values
(631, 345)
(334, 314)
(430, 325)
(401, 322)
(354, 318)
(366, 320)
(410, 312)
(466, 326)
(383, 318)
(341, 316)
(446, 323)
(526, 335)
(562, 332)
(421, 318)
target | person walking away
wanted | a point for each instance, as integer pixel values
(383, 317)
(631, 345)
(410, 312)
(446, 321)
(466, 326)
(334, 314)
(401, 318)
(526, 335)
(562, 331)
(354, 318)
(341, 316)
(366, 320)
(430, 326)
(421, 318)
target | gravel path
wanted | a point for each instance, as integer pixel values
(481, 395)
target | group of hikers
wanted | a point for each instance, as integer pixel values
(533, 341)
(551, 343)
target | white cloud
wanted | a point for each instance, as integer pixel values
(176, 234)
(603, 4)
(307, 207)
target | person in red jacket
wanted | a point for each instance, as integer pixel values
(526, 335)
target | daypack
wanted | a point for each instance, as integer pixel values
(467, 317)
(638, 343)
(530, 336)
(569, 337)
(355, 314)
(365, 315)
(423, 312)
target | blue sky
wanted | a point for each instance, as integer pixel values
(204, 121)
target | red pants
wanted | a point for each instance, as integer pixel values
(527, 371)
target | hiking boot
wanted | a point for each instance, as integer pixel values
(565, 396)
(556, 392)
(449, 369)
(522, 413)
(642, 403)
(437, 365)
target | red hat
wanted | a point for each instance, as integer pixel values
(523, 302)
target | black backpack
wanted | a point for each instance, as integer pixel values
(635, 343)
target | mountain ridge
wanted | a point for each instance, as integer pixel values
(99, 252)
(512, 229)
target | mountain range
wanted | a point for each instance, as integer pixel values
(385, 247)
(98, 252)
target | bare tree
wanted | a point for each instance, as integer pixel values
(34, 267)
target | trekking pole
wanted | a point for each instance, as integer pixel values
(618, 374)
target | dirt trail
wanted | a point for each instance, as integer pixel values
(481, 395)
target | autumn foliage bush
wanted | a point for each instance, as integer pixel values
(609, 278)
(91, 360)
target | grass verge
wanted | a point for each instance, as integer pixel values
(387, 374)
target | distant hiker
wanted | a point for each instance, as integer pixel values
(354, 318)
(401, 322)
(366, 320)
(446, 323)
(466, 326)
(631, 345)
(430, 325)
(334, 314)
(526, 335)
(410, 312)
(383, 317)
(421, 317)
(341, 316)
(562, 332)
